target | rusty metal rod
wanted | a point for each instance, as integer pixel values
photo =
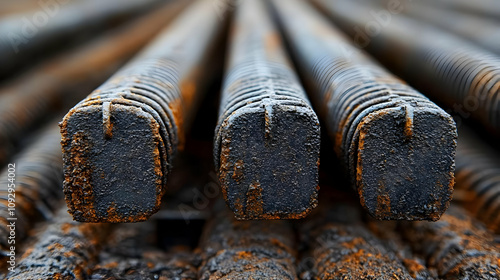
(457, 246)
(26, 36)
(65, 250)
(397, 146)
(36, 177)
(31, 97)
(119, 142)
(267, 140)
(129, 254)
(478, 179)
(485, 32)
(247, 249)
(448, 68)
(388, 233)
(339, 246)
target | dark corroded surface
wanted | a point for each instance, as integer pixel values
(66, 250)
(131, 255)
(390, 237)
(457, 246)
(28, 99)
(247, 249)
(397, 146)
(478, 179)
(464, 76)
(37, 181)
(267, 139)
(118, 143)
(340, 247)
(27, 35)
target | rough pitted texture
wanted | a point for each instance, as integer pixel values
(118, 143)
(457, 246)
(340, 247)
(66, 250)
(268, 138)
(247, 249)
(38, 180)
(131, 255)
(464, 76)
(397, 147)
(478, 179)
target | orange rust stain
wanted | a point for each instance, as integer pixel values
(57, 246)
(243, 255)
(383, 202)
(353, 243)
(408, 130)
(78, 177)
(254, 207)
(238, 173)
(272, 42)
(413, 267)
(177, 109)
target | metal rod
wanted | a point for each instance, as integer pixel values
(267, 141)
(446, 67)
(36, 177)
(397, 146)
(119, 142)
(457, 246)
(247, 249)
(27, 100)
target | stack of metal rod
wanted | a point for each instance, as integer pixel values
(265, 139)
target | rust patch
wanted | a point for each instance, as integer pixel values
(254, 206)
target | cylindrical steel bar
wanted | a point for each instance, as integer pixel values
(129, 254)
(30, 98)
(457, 246)
(450, 69)
(36, 177)
(247, 249)
(267, 141)
(338, 246)
(478, 179)
(397, 146)
(119, 142)
(66, 250)
(483, 31)
(26, 35)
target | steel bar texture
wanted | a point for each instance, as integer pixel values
(484, 32)
(478, 179)
(397, 146)
(457, 246)
(30, 98)
(119, 142)
(342, 248)
(267, 141)
(450, 69)
(66, 250)
(37, 181)
(129, 254)
(26, 35)
(388, 234)
(247, 249)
